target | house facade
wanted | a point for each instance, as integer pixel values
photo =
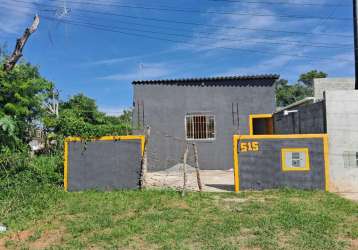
(205, 111)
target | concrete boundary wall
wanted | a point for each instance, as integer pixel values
(259, 162)
(105, 163)
(309, 119)
(342, 127)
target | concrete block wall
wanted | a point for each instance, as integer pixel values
(323, 84)
(103, 163)
(342, 128)
(309, 119)
(263, 168)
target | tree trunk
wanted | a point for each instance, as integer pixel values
(20, 43)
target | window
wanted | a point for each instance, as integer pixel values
(200, 127)
(350, 159)
(295, 159)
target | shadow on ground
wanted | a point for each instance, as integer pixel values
(224, 187)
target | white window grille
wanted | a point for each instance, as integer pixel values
(350, 159)
(295, 159)
(200, 127)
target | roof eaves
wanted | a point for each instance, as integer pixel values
(221, 78)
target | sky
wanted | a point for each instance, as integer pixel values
(99, 47)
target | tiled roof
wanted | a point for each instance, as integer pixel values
(253, 80)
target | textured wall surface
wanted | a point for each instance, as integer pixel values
(322, 84)
(263, 169)
(310, 119)
(104, 165)
(165, 107)
(342, 128)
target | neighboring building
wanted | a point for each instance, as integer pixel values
(333, 110)
(342, 128)
(323, 84)
(207, 111)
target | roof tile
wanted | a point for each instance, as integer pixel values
(244, 80)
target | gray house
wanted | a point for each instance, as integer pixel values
(207, 111)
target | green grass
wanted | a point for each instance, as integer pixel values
(284, 219)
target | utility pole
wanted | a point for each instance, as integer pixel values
(355, 25)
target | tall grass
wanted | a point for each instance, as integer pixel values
(29, 186)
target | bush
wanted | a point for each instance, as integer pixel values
(28, 185)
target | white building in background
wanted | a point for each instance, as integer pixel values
(327, 84)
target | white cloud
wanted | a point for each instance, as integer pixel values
(144, 71)
(117, 60)
(15, 16)
(255, 37)
(275, 52)
(271, 65)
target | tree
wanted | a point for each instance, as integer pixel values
(79, 116)
(307, 78)
(124, 118)
(289, 93)
(84, 107)
(22, 94)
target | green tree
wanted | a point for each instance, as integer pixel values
(125, 118)
(84, 107)
(79, 116)
(8, 137)
(289, 93)
(307, 78)
(23, 92)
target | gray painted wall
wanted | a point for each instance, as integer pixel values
(322, 84)
(165, 107)
(342, 128)
(310, 119)
(104, 165)
(263, 169)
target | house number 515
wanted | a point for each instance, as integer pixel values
(249, 146)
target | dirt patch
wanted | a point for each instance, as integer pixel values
(48, 238)
(16, 238)
(21, 236)
(23, 239)
(354, 244)
(212, 180)
(353, 196)
(2, 243)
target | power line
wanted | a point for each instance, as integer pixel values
(196, 23)
(328, 5)
(104, 28)
(283, 3)
(257, 41)
(116, 30)
(203, 12)
(321, 22)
